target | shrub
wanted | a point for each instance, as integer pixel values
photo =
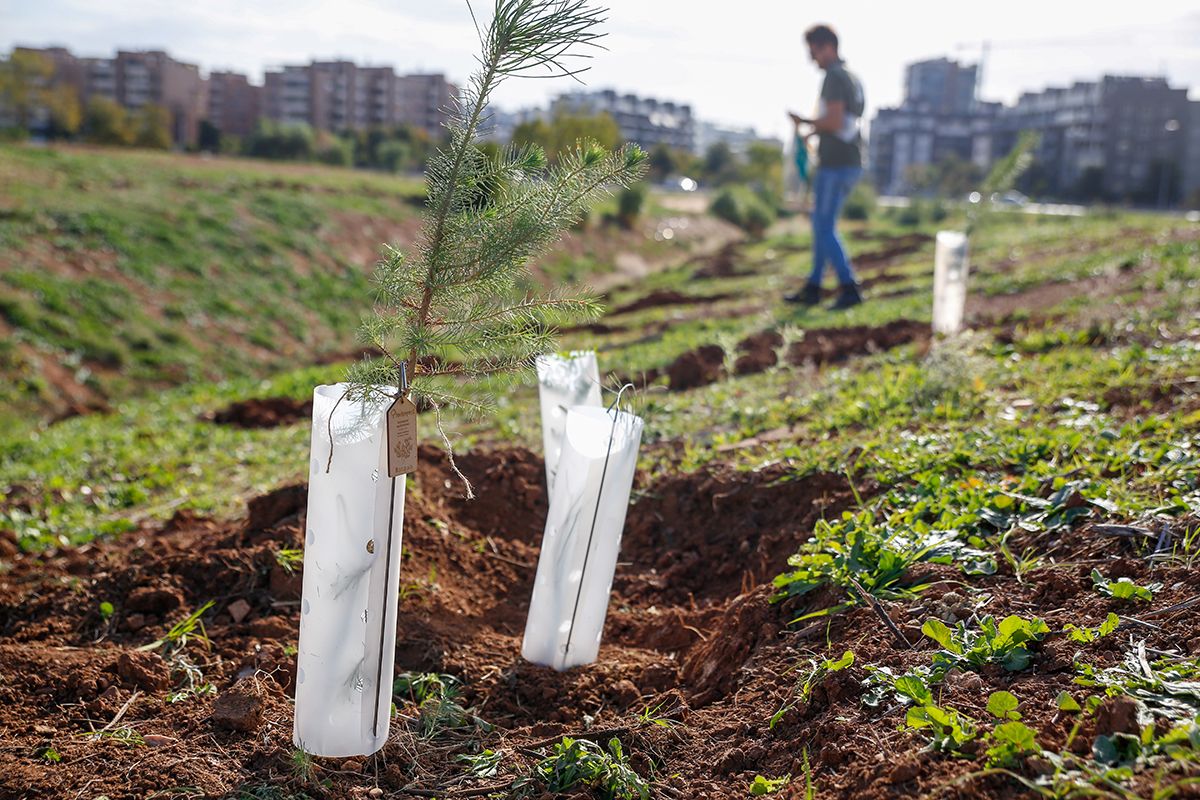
(861, 203)
(630, 202)
(744, 209)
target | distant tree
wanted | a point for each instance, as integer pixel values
(663, 163)
(23, 81)
(720, 166)
(561, 133)
(764, 169)
(393, 155)
(66, 114)
(292, 141)
(209, 138)
(152, 127)
(335, 151)
(106, 122)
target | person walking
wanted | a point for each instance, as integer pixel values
(839, 153)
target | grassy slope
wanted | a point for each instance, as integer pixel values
(136, 270)
(124, 271)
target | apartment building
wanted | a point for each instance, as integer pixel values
(422, 101)
(234, 103)
(339, 96)
(644, 120)
(1121, 138)
(134, 78)
(945, 86)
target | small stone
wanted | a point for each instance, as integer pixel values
(238, 610)
(157, 740)
(44, 729)
(240, 707)
(144, 670)
(352, 765)
(376, 792)
(135, 622)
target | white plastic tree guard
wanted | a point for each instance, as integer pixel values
(583, 535)
(949, 281)
(351, 575)
(563, 382)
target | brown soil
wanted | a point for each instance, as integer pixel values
(667, 297)
(690, 632)
(723, 264)
(705, 364)
(893, 248)
(264, 412)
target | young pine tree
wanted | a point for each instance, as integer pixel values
(451, 312)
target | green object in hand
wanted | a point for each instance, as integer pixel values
(801, 155)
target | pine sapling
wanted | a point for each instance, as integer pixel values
(450, 311)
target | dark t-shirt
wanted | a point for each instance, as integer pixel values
(844, 149)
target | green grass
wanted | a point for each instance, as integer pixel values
(138, 270)
(953, 433)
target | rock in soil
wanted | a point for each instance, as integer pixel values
(240, 707)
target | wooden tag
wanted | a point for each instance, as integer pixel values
(401, 437)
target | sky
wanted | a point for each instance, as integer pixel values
(738, 63)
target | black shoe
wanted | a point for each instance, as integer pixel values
(849, 297)
(810, 295)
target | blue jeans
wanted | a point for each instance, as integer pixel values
(831, 188)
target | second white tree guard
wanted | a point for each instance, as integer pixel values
(949, 281)
(583, 535)
(563, 382)
(351, 576)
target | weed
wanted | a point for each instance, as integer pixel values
(184, 631)
(124, 734)
(760, 785)
(1085, 635)
(484, 765)
(815, 674)
(654, 716)
(1123, 588)
(290, 560)
(576, 764)
(1169, 685)
(949, 730)
(106, 610)
(303, 768)
(1003, 705)
(911, 687)
(1005, 643)
(50, 755)
(436, 697)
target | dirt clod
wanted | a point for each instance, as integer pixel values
(240, 707)
(144, 670)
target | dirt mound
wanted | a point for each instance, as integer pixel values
(264, 412)
(667, 297)
(722, 264)
(892, 249)
(758, 352)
